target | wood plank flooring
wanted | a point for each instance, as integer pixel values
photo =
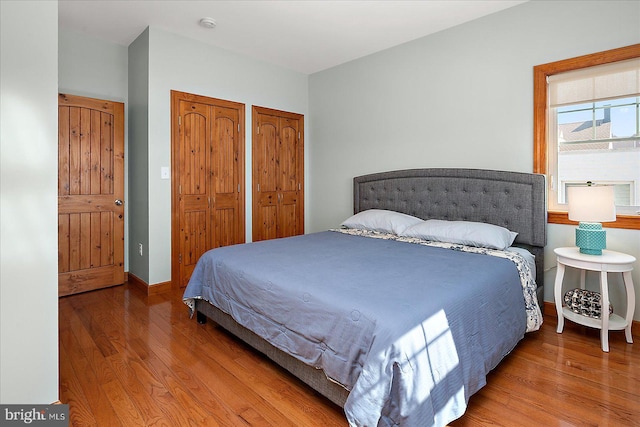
(135, 360)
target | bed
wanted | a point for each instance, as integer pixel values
(397, 341)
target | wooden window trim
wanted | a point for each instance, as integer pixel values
(540, 74)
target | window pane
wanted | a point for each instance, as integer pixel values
(600, 120)
(599, 142)
(575, 113)
(575, 123)
(624, 121)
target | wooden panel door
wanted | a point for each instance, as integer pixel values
(265, 177)
(207, 180)
(90, 194)
(278, 174)
(227, 180)
(193, 181)
(290, 215)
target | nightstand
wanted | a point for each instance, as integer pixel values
(608, 262)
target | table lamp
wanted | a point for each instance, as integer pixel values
(590, 205)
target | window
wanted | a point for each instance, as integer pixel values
(599, 142)
(587, 128)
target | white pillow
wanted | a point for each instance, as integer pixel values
(468, 233)
(381, 220)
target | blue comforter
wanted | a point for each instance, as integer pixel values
(411, 330)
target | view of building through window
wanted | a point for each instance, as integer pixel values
(600, 142)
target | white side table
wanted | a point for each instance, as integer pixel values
(608, 262)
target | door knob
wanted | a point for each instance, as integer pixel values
(118, 202)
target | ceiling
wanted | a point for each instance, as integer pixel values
(304, 35)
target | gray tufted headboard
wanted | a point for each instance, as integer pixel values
(513, 200)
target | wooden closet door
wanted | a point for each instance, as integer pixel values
(90, 194)
(265, 176)
(207, 179)
(278, 174)
(227, 212)
(289, 184)
(193, 186)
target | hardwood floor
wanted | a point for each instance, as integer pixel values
(130, 359)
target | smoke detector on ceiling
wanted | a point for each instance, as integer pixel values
(208, 22)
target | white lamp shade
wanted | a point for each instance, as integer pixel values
(592, 203)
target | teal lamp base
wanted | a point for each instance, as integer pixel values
(591, 238)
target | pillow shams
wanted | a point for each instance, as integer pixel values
(468, 233)
(381, 220)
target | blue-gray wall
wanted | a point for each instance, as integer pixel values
(460, 98)
(138, 157)
(182, 64)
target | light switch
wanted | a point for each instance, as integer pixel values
(164, 172)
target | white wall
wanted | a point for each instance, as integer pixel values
(94, 68)
(182, 64)
(28, 202)
(459, 98)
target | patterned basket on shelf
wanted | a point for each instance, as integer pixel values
(584, 302)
